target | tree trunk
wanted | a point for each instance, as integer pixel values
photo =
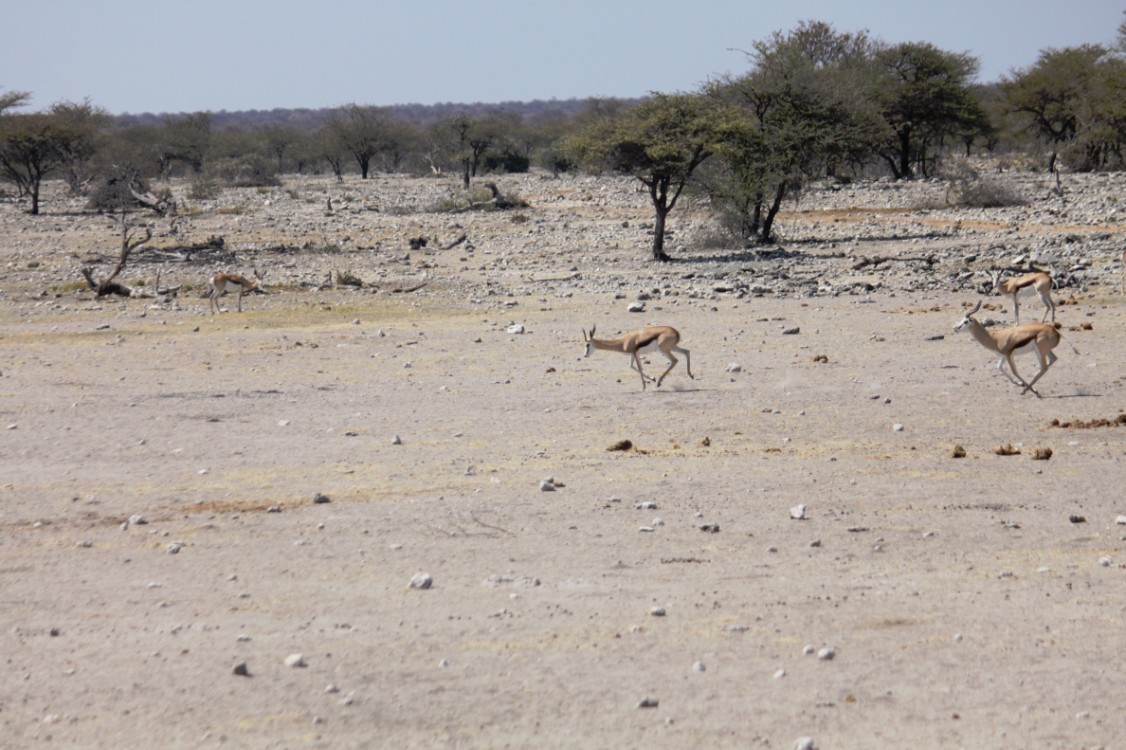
(659, 233)
(904, 153)
(776, 204)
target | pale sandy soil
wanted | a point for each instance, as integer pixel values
(964, 603)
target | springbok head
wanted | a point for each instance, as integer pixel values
(965, 321)
(589, 339)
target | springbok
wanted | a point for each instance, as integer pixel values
(1037, 338)
(1039, 283)
(642, 341)
(222, 283)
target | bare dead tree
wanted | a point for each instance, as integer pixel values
(130, 244)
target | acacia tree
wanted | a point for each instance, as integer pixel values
(360, 130)
(185, 139)
(1075, 100)
(806, 108)
(924, 97)
(661, 142)
(34, 145)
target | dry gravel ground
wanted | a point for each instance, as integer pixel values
(661, 596)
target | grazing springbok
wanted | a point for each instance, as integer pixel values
(222, 283)
(1039, 283)
(642, 341)
(1037, 338)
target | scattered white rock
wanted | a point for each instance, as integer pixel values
(826, 654)
(897, 427)
(1121, 520)
(421, 581)
(657, 611)
(396, 440)
(636, 307)
(797, 512)
(295, 661)
(699, 667)
(804, 743)
(546, 485)
(734, 367)
(517, 328)
(174, 548)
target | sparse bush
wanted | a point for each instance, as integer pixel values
(204, 189)
(967, 188)
(250, 170)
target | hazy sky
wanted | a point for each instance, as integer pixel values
(185, 56)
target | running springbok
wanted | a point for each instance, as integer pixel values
(221, 283)
(1039, 283)
(1030, 338)
(642, 341)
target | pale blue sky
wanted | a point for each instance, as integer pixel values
(192, 55)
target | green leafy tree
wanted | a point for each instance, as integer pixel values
(35, 145)
(1075, 100)
(185, 139)
(361, 131)
(806, 106)
(661, 142)
(924, 97)
(87, 124)
(13, 100)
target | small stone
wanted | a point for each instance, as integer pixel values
(797, 512)
(319, 498)
(295, 661)
(734, 367)
(657, 611)
(779, 674)
(897, 427)
(647, 505)
(241, 669)
(517, 328)
(804, 743)
(791, 331)
(396, 440)
(815, 543)
(546, 485)
(1077, 519)
(331, 688)
(1120, 520)
(174, 548)
(636, 307)
(421, 581)
(1105, 561)
(699, 667)
(274, 509)
(137, 520)
(826, 654)
(808, 649)
(648, 703)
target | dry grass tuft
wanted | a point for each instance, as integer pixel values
(958, 452)
(1041, 454)
(621, 445)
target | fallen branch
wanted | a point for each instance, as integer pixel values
(930, 260)
(408, 290)
(456, 242)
